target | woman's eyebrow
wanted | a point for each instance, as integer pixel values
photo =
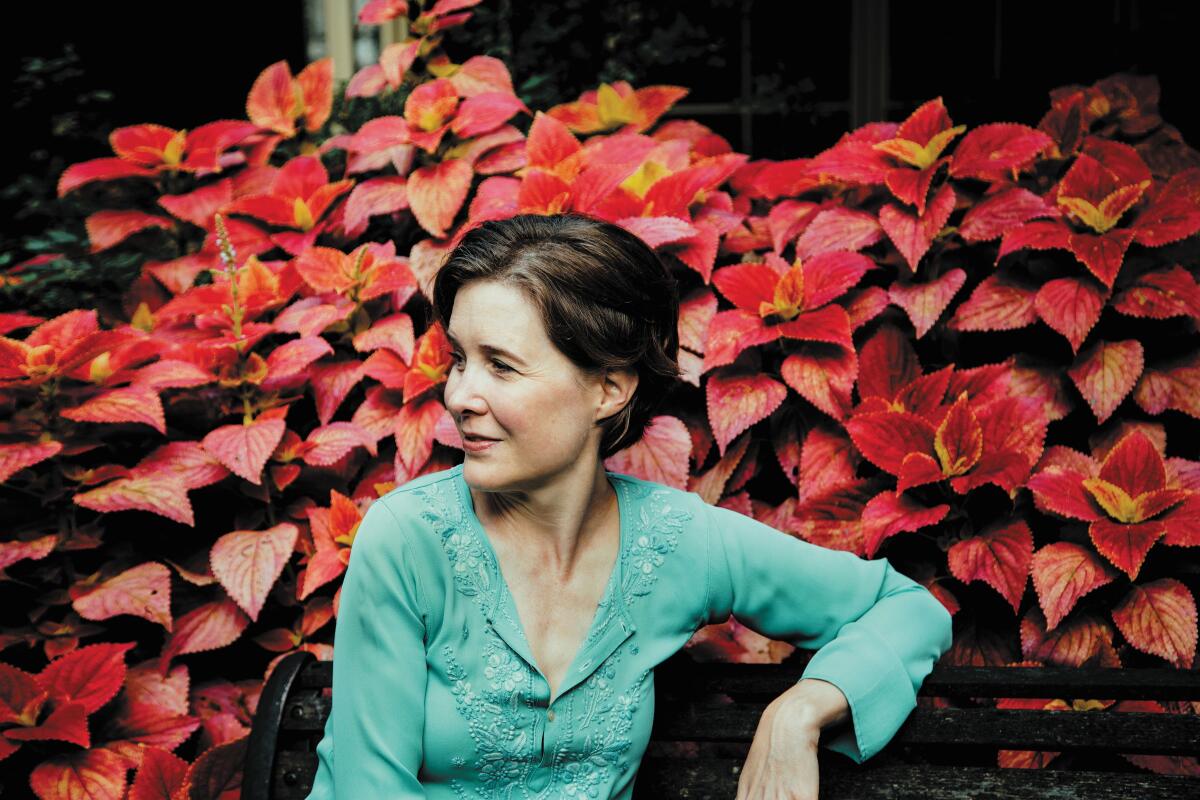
(490, 350)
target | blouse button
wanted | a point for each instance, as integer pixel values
(550, 715)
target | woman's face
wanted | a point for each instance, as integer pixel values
(508, 382)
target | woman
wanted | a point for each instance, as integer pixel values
(500, 621)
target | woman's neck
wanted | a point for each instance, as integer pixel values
(555, 521)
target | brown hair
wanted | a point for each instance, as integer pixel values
(605, 298)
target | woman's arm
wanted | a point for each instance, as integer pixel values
(877, 632)
(379, 676)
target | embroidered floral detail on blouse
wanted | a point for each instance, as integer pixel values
(468, 559)
(596, 716)
(496, 722)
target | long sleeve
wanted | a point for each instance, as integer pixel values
(379, 677)
(877, 632)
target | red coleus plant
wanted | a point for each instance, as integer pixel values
(901, 346)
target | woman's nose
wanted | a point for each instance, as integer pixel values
(462, 394)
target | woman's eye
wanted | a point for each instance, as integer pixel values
(500, 365)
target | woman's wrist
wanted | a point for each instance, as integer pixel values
(813, 704)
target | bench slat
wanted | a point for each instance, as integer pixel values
(716, 779)
(768, 680)
(1116, 732)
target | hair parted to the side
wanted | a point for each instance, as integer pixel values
(606, 300)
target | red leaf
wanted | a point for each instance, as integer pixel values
(199, 206)
(838, 228)
(1000, 557)
(160, 775)
(1063, 572)
(485, 112)
(1160, 618)
(991, 152)
(414, 432)
(925, 302)
(482, 74)
(696, 312)
(373, 197)
(18, 550)
(168, 373)
(1175, 384)
(828, 276)
(210, 626)
(1126, 545)
(315, 83)
(244, 449)
(108, 228)
(145, 684)
(1161, 295)
(163, 495)
(711, 485)
(126, 404)
(331, 382)
(217, 773)
(658, 231)
(661, 455)
(1071, 306)
(1102, 255)
(1081, 639)
(731, 332)
(377, 12)
(864, 305)
(913, 235)
(1105, 373)
(737, 401)
(822, 375)
(1058, 485)
(295, 356)
(1035, 235)
(66, 722)
(16, 457)
(437, 192)
(787, 219)
(830, 325)
(143, 591)
(999, 303)
(888, 514)
(331, 442)
(271, 100)
(95, 774)
(747, 285)
(185, 461)
(1002, 212)
(827, 462)
(1172, 216)
(1135, 465)
(90, 676)
(247, 563)
(886, 364)
(99, 169)
(886, 437)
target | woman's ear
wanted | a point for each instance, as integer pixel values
(618, 387)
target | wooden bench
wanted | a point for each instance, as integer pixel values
(937, 753)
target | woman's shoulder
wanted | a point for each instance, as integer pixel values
(411, 515)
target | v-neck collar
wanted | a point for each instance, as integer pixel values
(611, 623)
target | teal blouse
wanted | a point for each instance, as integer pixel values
(436, 693)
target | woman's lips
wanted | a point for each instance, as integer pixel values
(477, 445)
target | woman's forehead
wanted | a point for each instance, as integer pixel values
(487, 312)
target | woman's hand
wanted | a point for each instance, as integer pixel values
(782, 762)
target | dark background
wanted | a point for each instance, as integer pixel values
(992, 60)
